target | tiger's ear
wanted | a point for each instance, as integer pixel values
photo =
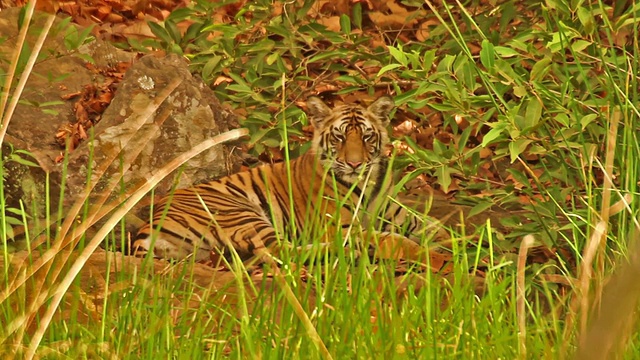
(317, 111)
(382, 108)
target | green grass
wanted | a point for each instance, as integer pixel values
(355, 308)
(549, 89)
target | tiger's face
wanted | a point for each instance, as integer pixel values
(350, 139)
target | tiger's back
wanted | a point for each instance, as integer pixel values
(247, 210)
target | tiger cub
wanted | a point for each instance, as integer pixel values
(344, 172)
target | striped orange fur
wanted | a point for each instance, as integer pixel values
(346, 166)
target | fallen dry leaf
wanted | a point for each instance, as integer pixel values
(397, 17)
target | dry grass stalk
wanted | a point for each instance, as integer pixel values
(27, 69)
(13, 65)
(580, 300)
(93, 244)
(44, 263)
(609, 332)
(586, 272)
(527, 242)
(607, 187)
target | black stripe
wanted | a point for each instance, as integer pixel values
(356, 190)
(171, 233)
(264, 203)
(236, 189)
(260, 228)
(244, 221)
(398, 211)
(284, 209)
(380, 178)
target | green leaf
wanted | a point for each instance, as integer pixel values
(533, 113)
(487, 54)
(444, 177)
(271, 142)
(398, 54)
(76, 39)
(479, 208)
(12, 221)
(586, 19)
(176, 49)
(389, 67)
(445, 64)
(238, 79)
(273, 57)
(356, 14)
(173, 31)
(210, 66)
(193, 31)
(23, 57)
(160, 32)
(50, 112)
(345, 24)
(227, 31)
(350, 79)
(411, 94)
(85, 57)
(429, 57)
(540, 69)
(51, 103)
(580, 45)
(256, 136)
(336, 54)
(348, 90)
(587, 119)
(20, 160)
(519, 91)
(517, 147)
(493, 134)
(180, 14)
(442, 107)
(511, 221)
(506, 52)
(464, 138)
(561, 39)
(519, 176)
(506, 70)
(563, 119)
(439, 148)
(264, 45)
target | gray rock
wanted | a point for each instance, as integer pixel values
(189, 115)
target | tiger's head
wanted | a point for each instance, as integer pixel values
(350, 138)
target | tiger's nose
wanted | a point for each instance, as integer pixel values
(354, 164)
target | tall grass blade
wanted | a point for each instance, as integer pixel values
(62, 240)
(25, 74)
(13, 64)
(93, 244)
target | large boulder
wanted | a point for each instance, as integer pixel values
(126, 146)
